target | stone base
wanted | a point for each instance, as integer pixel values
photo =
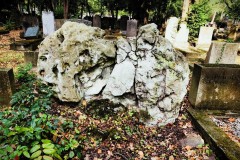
(6, 85)
(215, 86)
(31, 57)
(25, 45)
(218, 140)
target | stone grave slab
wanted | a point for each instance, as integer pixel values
(31, 57)
(97, 21)
(48, 23)
(132, 28)
(171, 29)
(6, 85)
(219, 141)
(215, 86)
(86, 22)
(205, 37)
(59, 23)
(26, 45)
(222, 52)
(31, 32)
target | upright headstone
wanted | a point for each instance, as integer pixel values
(222, 53)
(171, 29)
(97, 21)
(181, 40)
(215, 86)
(48, 23)
(32, 32)
(29, 21)
(86, 22)
(59, 23)
(6, 85)
(182, 35)
(123, 22)
(132, 28)
(205, 37)
(31, 57)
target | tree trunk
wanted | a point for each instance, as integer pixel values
(185, 10)
(65, 4)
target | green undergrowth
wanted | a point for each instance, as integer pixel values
(30, 130)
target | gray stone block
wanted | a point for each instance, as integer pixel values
(6, 85)
(215, 86)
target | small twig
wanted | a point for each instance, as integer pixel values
(121, 155)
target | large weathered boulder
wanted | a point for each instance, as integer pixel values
(145, 72)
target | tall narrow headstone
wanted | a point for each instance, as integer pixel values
(6, 85)
(31, 57)
(123, 22)
(182, 35)
(132, 28)
(205, 37)
(222, 53)
(97, 21)
(171, 29)
(48, 23)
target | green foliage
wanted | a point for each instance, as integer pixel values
(9, 25)
(28, 130)
(23, 73)
(233, 8)
(197, 17)
(58, 12)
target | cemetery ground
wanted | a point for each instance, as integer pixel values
(43, 126)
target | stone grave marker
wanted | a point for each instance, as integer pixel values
(88, 23)
(222, 52)
(29, 21)
(171, 29)
(32, 32)
(182, 35)
(59, 23)
(215, 86)
(97, 21)
(123, 22)
(132, 28)
(31, 57)
(205, 37)
(6, 85)
(48, 23)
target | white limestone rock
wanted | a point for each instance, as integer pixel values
(70, 53)
(144, 71)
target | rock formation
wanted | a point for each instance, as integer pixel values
(145, 71)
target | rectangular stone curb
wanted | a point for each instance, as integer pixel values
(218, 140)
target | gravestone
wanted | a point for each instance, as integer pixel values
(132, 28)
(222, 52)
(48, 23)
(59, 23)
(97, 21)
(86, 22)
(215, 86)
(171, 29)
(205, 37)
(31, 57)
(182, 35)
(6, 85)
(123, 22)
(32, 32)
(29, 21)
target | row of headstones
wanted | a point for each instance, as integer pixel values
(181, 37)
(50, 24)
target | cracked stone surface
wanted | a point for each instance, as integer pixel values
(145, 71)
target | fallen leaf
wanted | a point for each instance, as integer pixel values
(231, 119)
(171, 158)
(141, 155)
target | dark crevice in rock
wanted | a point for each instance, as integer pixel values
(55, 70)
